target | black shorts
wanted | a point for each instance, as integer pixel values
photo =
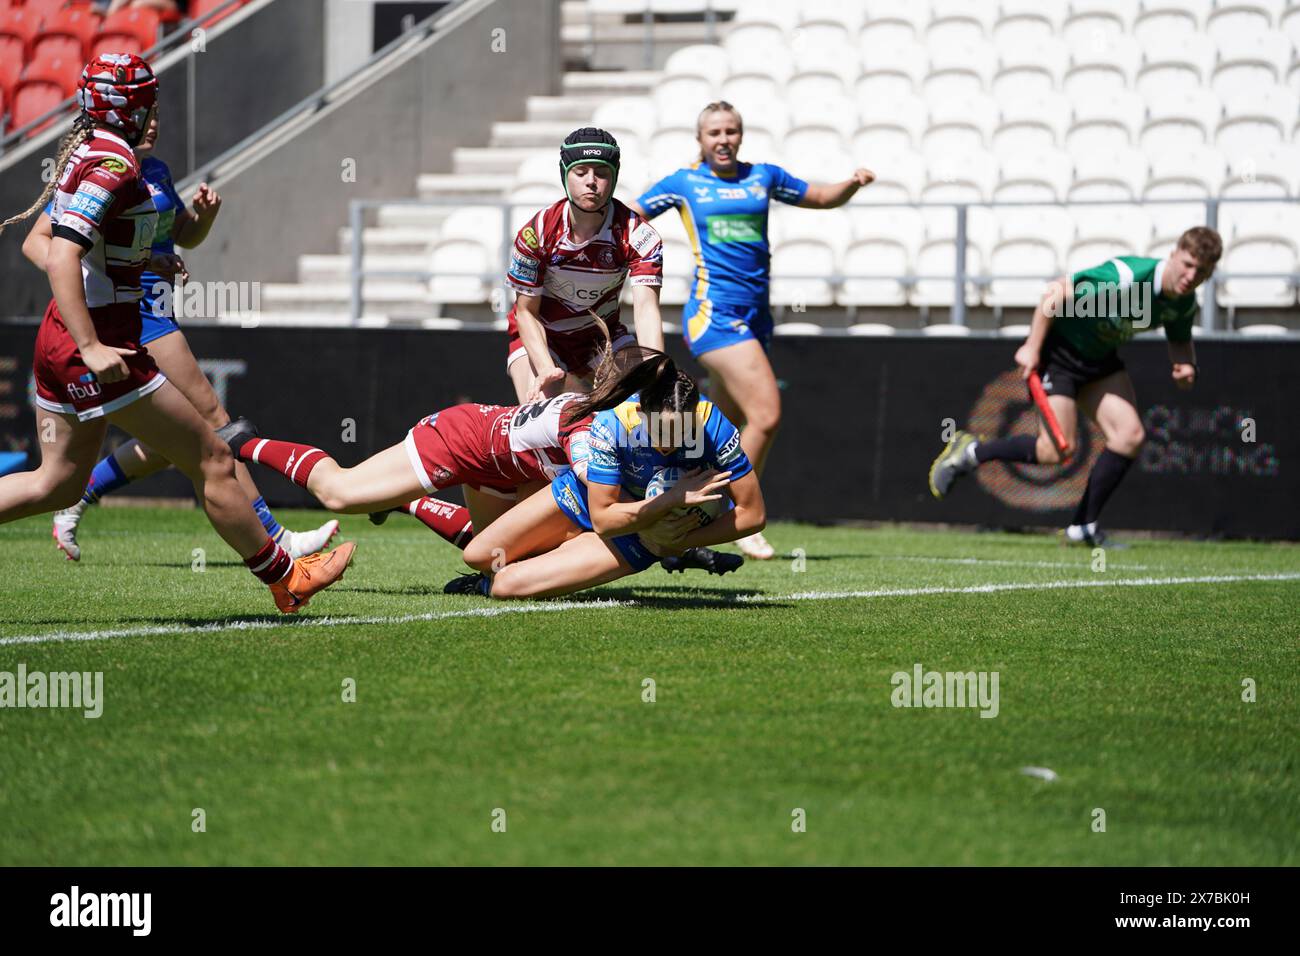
(1064, 371)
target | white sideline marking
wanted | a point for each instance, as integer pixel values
(1004, 563)
(1025, 586)
(605, 604)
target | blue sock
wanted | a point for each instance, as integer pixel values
(268, 520)
(106, 477)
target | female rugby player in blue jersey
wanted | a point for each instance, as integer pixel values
(594, 524)
(727, 321)
(177, 223)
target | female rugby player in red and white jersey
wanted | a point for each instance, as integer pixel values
(570, 261)
(89, 365)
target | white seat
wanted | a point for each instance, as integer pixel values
(1109, 174)
(900, 176)
(700, 59)
(1252, 220)
(1173, 64)
(1264, 330)
(840, 113)
(1103, 123)
(480, 223)
(1101, 232)
(1042, 176)
(902, 11)
(945, 330)
(1273, 171)
(797, 328)
(958, 69)
(1290, 22)
(812, 86)
(1049, 225)
(936, 259)
(831, 226)
(1036, 261)
(1094, 70)
(819, 32)
(889, 128)
(1198, 170)
(881, 256)
(889, 71)
(1029, 69)
(1255, 119)
(886, 32)
(1259, 253)
(1249, 62)
(796, 270)
(1157, 19)
(1293, 74)
(1017, 330)
(903, 226)
(537, 170)
(672, 148)
(754, 94)
(850, 16)
(782, 13)
(678, 100)
(954, 21)
(1238, 17)
(958, 124)
(1180, 121)
(1030, 124)
(1097, 21)
(679, 266)
(965, 177)
(871, 328)
(1026, 22)
(458, 266)
(811, 140)
(758, 48)
(631, 120)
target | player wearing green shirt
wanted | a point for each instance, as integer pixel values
(1073, 344)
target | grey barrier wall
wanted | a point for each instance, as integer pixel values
(378, 136)
(864, 417)
(249, 71)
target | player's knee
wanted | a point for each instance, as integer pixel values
(480, 555)
(1130, 439)
(765, 418)
(218, 462)
(509, 583)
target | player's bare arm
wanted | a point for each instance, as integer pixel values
(833, 195)
(1029, 354)
(647, 318)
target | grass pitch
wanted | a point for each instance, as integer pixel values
(772, 694)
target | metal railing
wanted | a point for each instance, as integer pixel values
(710, 13)
(959, 275)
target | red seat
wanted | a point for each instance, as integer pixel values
(9, 72)
(17, 28)
(44, 85)
(44, 8)
(132, 30)
(201, 8)
(69, 32)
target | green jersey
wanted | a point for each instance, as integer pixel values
(1116, 300)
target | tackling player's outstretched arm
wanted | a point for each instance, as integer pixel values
(1028, 355)
(646, 318)
(832, 195)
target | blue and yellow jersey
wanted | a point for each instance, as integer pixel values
(726, 223)
(621, 452)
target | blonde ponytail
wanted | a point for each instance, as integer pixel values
(82, 127)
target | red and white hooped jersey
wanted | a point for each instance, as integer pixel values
(504, 446)
(572, 277)
(104, 206)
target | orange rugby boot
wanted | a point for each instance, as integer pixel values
(310, 575)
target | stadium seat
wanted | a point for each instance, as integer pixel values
(700, 59)
(889, 128)
(958, 70)
(1262, 330)
(45, 9)
(946, 330)
(871, 329)
(1196, 171)
(1047, 224)
(1259, 252)
(959, 177)
(903, 226)
(18, 28)
(811, 139)
(1293, 77)
(1097, 23)
(1241, 17)
(934, 262)
(483, 224)
(797, 266)
(955, 21)
(900, 177)
(1248, 62)
(1094, 70)
(1029, 69)
(1026, 23)
(679, 267)
(1170, 221)
(672, 147)
(44, 84)
(631, 120)
(1242, 220)
(1103, 122)
(1273, 171)
(1290, 23)
(1180, 121)
(67, 33)
(831, 226)
(1257, 118)
(751, 43)
(1157, 19)
(1042, 176)
(810, 86)
(752, 93)
(198, 9)
(1030, 123)
(459, 268)
(10, 69)
(1034, 259)
(1115, 174)
(130, 30)
(1124, 227)
(850, 16)
(776, 12)
(901, 11)
(890, 71)
(1171, 65)
(678, 99)
(884, 32)
(818, 40)
(958, 123)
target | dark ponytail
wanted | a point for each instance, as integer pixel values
(654, 374)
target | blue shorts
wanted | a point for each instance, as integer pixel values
(709, 325)
(152, 325)
(571, 496)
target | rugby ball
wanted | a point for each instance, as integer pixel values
(663, 481)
